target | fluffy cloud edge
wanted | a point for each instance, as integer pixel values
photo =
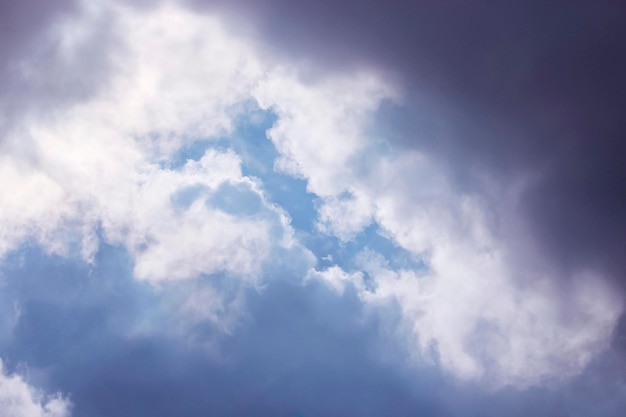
(19, 399)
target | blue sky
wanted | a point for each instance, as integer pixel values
(204, 213)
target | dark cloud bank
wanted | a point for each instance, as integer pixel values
(37, 77)
(503, 89)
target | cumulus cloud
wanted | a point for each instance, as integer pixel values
(488, 308)
(19, 399)
(336, 278)
(105, 165)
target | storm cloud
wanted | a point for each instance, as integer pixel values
(529, 91)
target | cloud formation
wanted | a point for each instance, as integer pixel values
(104, 165)
(18, 399)
(516, 104)
(526, 93)
(487, 174)
(486, 307)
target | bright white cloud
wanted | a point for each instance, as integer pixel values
(103, 164)
(18, 399)
(319, 130)
(336, 277)
(484, 325)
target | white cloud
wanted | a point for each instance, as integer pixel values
(484, 325)
(18, 399)
(487, 310)
(103, 164)
(319, 127)
(336, 278)
(105, 167)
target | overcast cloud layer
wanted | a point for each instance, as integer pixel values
(311, 208)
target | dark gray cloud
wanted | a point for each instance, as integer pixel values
(21, 23)
(40, 73)
(497, 88)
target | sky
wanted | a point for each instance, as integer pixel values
(312, 208)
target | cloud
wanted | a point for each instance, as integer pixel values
(114, 166)
(531, 90)
(51, 57)
(103, 167)
(336, 278)
(116, 346)
(18, 399)
(486, 301)
(478, 324)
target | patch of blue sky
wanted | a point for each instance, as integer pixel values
(258, 156)
(333, 251)
(249, 140)
(236, 199)
(185, 197)
(61, 306)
